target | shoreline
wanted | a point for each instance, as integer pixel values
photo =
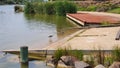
(104, 30)
(63, 41)
(95, 40)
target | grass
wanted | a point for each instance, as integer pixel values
(91, 8)
(88, 8)
(105, 7)
(108, 60)
(66, 52)
(105, 23)
(115, 10)
(116, 53)
(57, 56)
(78, 54)
(29, 8)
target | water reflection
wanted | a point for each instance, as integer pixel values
(59, 23)
(25, 65)
(18, 29)
(12, 61)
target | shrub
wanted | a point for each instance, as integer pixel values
(70, 7)
(39, 8)
(58, 8)
(65, 7)
(49, 8)
(29, 8)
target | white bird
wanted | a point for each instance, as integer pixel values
(50, 36)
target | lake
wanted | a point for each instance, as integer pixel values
(12, 61)
(18, 29)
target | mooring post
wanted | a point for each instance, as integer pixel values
(45, 53)
(24, 54)
(46, 56)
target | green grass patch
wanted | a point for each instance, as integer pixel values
(88, 8)
(115, 10)
(116, 53)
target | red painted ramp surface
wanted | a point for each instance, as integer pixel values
(94, 19)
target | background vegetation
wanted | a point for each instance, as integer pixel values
(115, 10)
(61, 8)
(12, 1)
(58, 8)
(103, 6)
(18, 1)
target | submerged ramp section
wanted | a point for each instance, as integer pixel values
(75, 20)
(87, 18)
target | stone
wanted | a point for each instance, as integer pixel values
(100, 66)
(81, 64)
(68, 60)
(115, 65)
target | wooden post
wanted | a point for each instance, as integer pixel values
(24, 54)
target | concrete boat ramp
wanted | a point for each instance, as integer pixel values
(89, 39)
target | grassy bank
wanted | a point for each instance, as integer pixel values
(99, 9)
(93, 58)
(107, 6)
(57, 8)
(115, 10)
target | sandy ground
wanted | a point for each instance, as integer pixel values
(90, 39)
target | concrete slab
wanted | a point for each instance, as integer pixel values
(91, 39)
